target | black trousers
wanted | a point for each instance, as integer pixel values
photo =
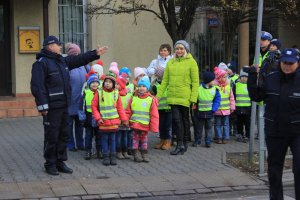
(242, 121)
(180, 120)
(55, 136)
(277, 148)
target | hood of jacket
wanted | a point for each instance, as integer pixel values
(47, 54)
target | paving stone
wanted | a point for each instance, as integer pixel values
(49, 199)
(257, 187)
(181, 192)
(110, 196)
(10, 191)
(144, 194)
(221, 189)
(91, 197)
(128, 195)
(242, 187)
(71, 198)
(35, 189)
(162, 193)
(67, 188)
(203, 190)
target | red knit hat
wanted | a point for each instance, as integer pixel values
(100, 62)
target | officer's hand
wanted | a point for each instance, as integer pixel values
(100, 121)
(45, 112)
(101, 50)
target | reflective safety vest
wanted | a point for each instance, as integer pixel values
(162, 104)
(234, 78)
(242, 95)
(89, 95)
(125, 101)
(205, 98)
(107, 104)
(141, 110)
(225, 98)
(262, 58)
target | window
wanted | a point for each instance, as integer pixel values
(72, 22)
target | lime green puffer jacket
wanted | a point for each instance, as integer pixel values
(181, 76)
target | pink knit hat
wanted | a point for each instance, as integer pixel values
(72, 49)
(138, 71)
(114, 68)
(219, 73)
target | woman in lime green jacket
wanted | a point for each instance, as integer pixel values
(181, 77)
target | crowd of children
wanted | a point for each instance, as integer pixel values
(119, 113)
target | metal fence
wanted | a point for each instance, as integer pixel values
(211, 48)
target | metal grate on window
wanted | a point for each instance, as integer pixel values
(72, 22)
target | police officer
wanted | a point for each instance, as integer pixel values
(281, 94)
(265, 41)
(50, 87)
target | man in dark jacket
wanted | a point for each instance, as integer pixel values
(51, 89)
(281, 94)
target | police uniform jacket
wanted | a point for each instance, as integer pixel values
(50, 77)
(281, 94)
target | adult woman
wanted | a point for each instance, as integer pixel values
(181, 77)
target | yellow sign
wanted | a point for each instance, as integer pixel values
(29, 39)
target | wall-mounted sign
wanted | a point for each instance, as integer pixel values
(29, 39)
(212, 20)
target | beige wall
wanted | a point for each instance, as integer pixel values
(23, 14)
(130, 45)
(289, 34)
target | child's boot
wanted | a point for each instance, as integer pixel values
(113, 160)
(166, 145)
(120, 155)
(144, 157)
(125, 154)
(160, 144)
(88, 155)
(99, 155)
(136, 156)
(106, 160)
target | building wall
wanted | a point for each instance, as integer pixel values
(288, 33)
(129, 45)
(23, 14)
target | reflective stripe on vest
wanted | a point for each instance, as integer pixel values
(225, 98)
(205, 98)
(162, 104)
(141, 110)
(242, 95)
(107, 104)
(89, 95)
(261, 59)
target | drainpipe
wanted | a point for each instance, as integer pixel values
(46, 18)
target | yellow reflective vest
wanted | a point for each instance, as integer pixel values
(242, 95)
(162, 104)
(205, 98)
(141, 110)
(225, 97)
(89, 95)
(107, 104)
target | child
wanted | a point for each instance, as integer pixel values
(108, 113)
(208, 103)
(143, 115)
(90, 129)
(165, 115)
(243, 107)
(114, 68)
(227, 106)
(122, 134)
(138, 73)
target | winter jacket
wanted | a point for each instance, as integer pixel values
(50, 81)
(281, 94)
(109, 125)
(181, 76)
(77, 80)
(159, 61)
(154, 116)
(215, 106)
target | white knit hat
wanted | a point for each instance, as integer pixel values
(98, 69)
(223, 66)
(138, 71)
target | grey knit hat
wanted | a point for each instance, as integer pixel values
(184, 43)
(242, 73)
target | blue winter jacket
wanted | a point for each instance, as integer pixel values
(50, 81)
(77, 80)
(215, 106)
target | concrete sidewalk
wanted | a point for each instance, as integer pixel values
(200, 171)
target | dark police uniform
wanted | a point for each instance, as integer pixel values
(50, 87)
(281, 94)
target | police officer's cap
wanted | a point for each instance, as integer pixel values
(266, 35)
(51, 40)
(290, 55)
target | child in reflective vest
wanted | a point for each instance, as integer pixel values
(108, 112)
(91, 129)
(207, 104)
(227, 106)
(143, 114)
(122, 134)
(243, 107)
